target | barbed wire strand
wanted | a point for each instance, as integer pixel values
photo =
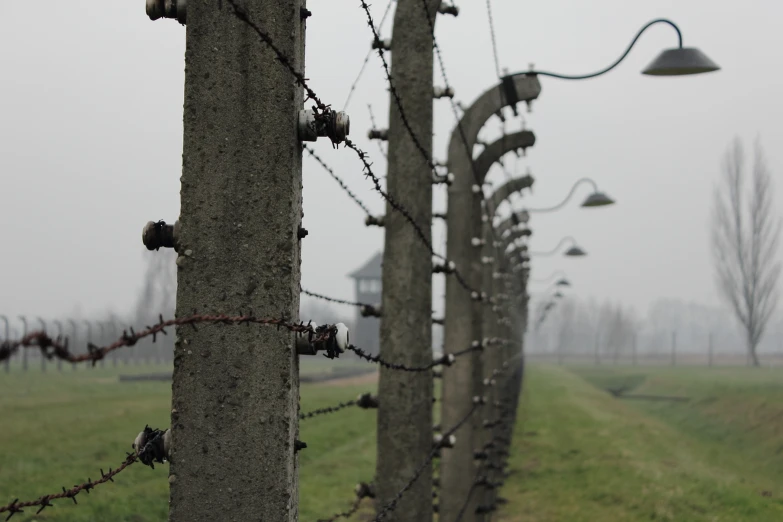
(242, 15)
(345, 514)
(393, 90)
(45, 501)
(327, 410)
(332, 299)
(367, 58)
(388, 508)
(58, 347)
(454, 109)
(492, 36)
(339, 181)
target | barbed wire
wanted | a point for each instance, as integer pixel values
(366, 401)
(446, 360)
(345, 514)
(367, 58)
(43, 502)
(392, 201)
(492, 35)
(394, 93)
(454, 109)
(332, 299)
(388, 508)
(242, 15)
(339, 181)
(58, 347)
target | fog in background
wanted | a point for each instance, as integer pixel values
(91, 140)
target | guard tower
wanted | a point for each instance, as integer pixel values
(368, 291)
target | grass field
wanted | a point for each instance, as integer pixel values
(579, 454)
(582, 455)
(58, 430)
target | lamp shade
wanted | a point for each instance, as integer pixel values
(680, 61)
(563, 282)
(597, 199)
(575, 251)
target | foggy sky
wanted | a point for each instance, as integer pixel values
(91, 140)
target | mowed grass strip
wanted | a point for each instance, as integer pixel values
(59, 429)
(581, 455)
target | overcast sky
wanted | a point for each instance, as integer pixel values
(91, 139)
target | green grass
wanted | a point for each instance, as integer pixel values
(59, 429)
(581, 455)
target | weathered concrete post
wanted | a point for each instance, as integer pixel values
(236, 389)
(405, 413)
(463, 312)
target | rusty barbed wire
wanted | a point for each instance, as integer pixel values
(339, 181)
(58, 347)
(445, 360)
(45, 501)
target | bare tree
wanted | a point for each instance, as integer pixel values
(745, 235)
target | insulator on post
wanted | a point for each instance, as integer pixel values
(378, 134)
(377, 221)
(384, 45)
(477, 241)
(448, 9)
(442, 92)
(446, 179)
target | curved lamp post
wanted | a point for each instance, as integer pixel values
(677, 61)
(574, 251)
(596, 199)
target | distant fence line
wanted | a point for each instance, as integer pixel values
(685, 358)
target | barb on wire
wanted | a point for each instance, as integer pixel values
(394, 93)
(242, 15)
(388, 508)
(388, 197)
(367, 58)
(331, 299)
(327, 410)
(58, 348)
(45, 501)
(339, 181)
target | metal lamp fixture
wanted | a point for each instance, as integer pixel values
(596, 199)
(678, 61)
(573, 251)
